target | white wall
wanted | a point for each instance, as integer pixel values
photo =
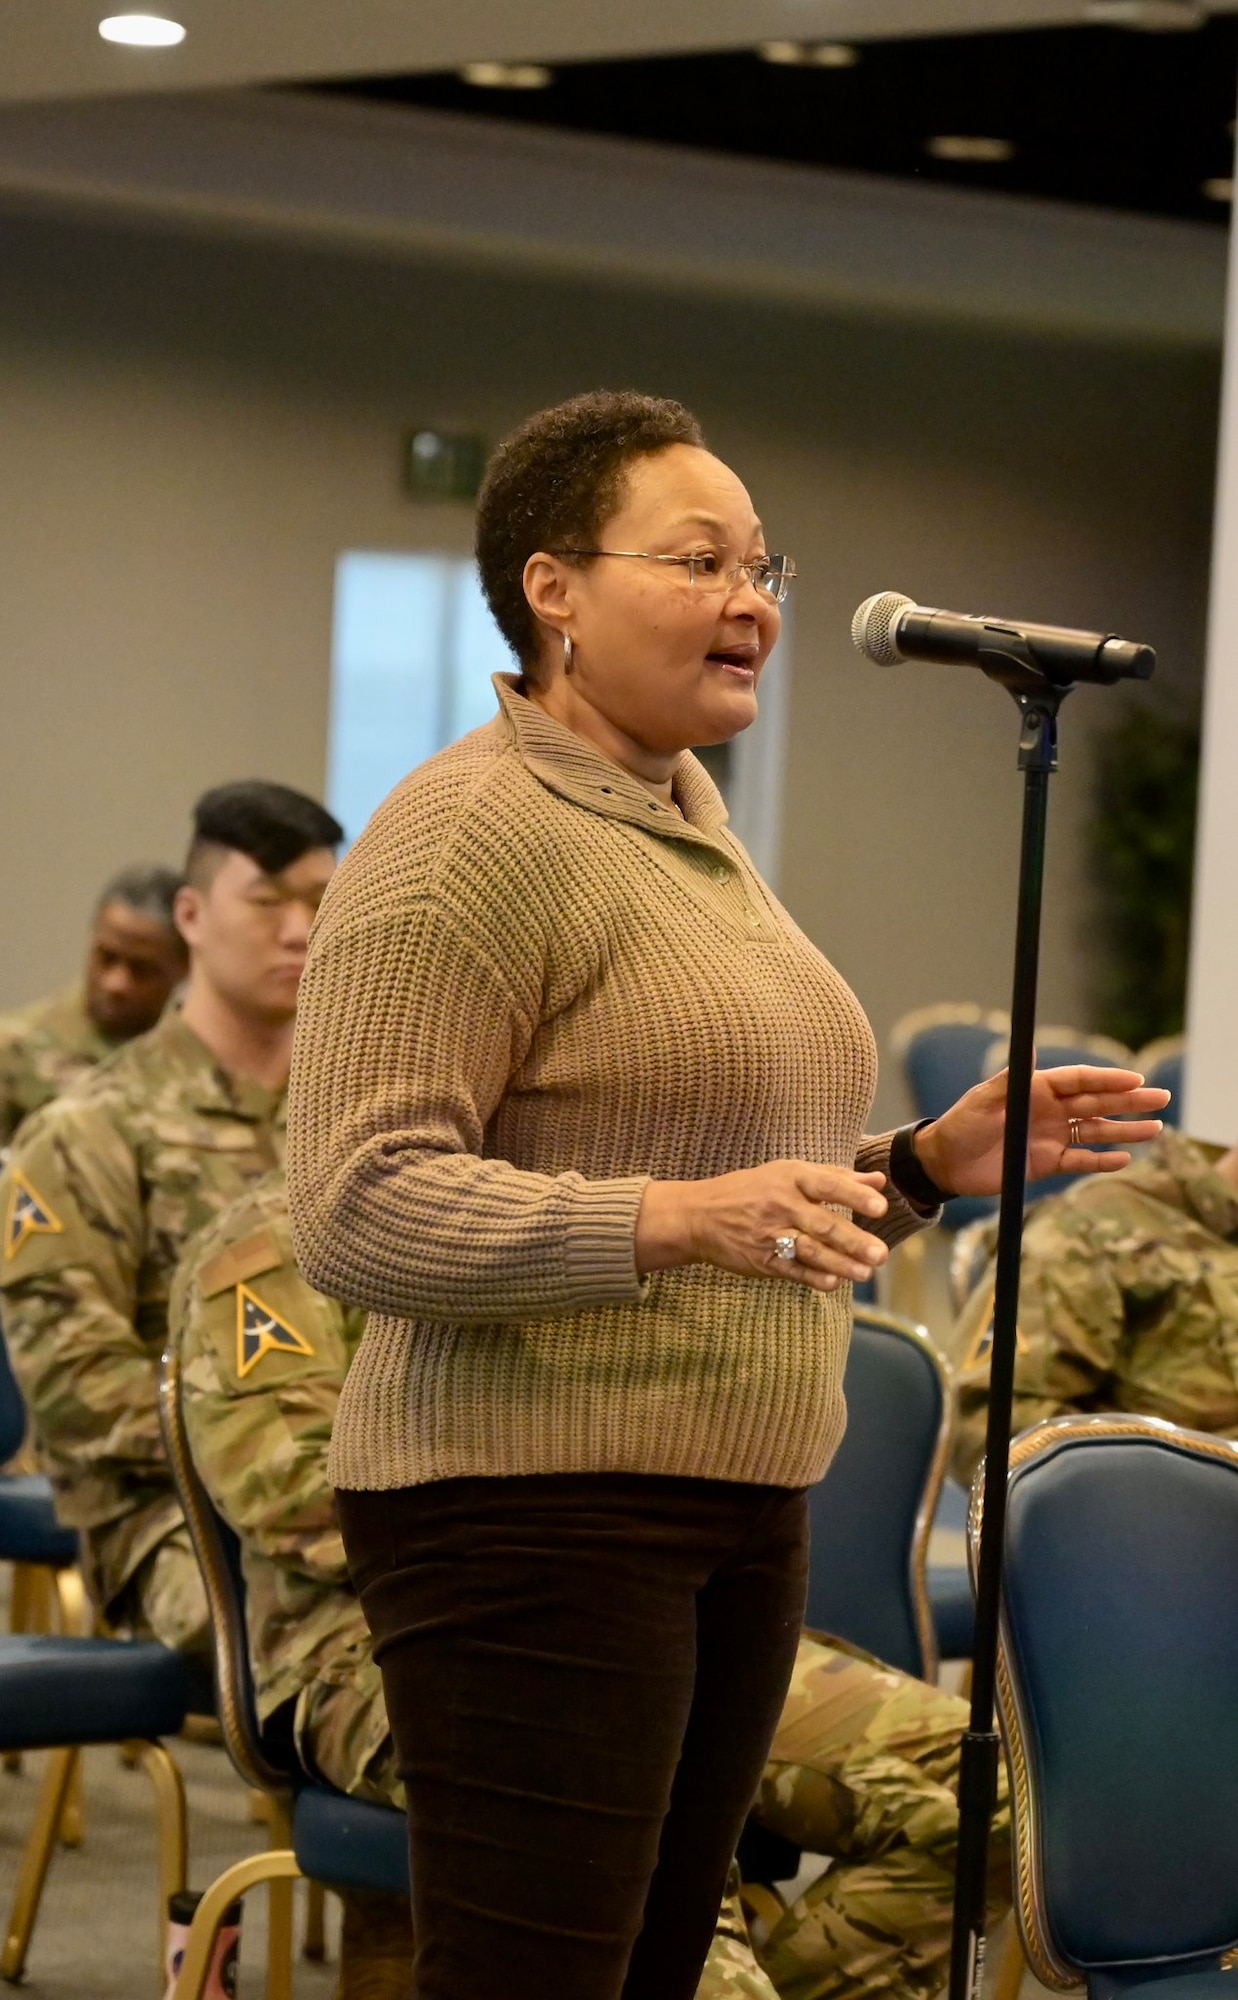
(1211, 1107)
(194, 429)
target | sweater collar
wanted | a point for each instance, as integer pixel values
(565, 763)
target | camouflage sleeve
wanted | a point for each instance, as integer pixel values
(10, 1104)
(72, 1221)
(263, 1363)
(1071, 1321)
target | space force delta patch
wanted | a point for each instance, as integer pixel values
(260, 1331)
(27, 1215)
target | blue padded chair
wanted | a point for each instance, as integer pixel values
(46, 1586)
(60, 1694)
(316, 1831)
(870, 1521)
(949, 1585)
(941, 1051)
(1116, 1678)
(29, 1530)
(1163, 1064)
(872, 1513)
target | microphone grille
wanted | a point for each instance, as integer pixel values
(874, 626)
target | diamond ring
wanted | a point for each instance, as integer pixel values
(1075, 1139)
(784, 1247)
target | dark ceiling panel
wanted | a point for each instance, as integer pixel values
(1101, 115)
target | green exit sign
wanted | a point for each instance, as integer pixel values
(443, 465)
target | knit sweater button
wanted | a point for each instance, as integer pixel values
(720, 873)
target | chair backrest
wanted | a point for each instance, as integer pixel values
(872, 1513)
(942, 1049)
(1117, 1677)
(1163, 1064)
(219, 1557)
(12, 1407)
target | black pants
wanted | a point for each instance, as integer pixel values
(583, 1675)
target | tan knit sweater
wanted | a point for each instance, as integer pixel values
(530, 988)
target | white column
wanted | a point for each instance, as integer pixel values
(1211, 1108)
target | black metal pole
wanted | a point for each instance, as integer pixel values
(979, 1757)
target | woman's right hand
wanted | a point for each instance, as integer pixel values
(733, 1221)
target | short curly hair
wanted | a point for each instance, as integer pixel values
(555, 482)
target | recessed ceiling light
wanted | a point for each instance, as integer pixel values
(810, 55)
(507, 76)
(142, 31)
(1153, 16)
(1220, 189)
(969, 147)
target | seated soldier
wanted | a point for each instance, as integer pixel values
(863, 1768)
(134, 961)
(105, 1185)
(1128, 1301)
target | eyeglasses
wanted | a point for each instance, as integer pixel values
(770, 576)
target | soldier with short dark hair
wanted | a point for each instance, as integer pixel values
(105, 1185)
(134, 962)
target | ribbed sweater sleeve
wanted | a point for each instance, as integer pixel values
(408, 1036)
(901, 1220)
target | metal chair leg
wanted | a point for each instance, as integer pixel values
(74, 1610)
(165, 1776)
(315, 1945)
(72, 1820)
(19, 1598)
(1010, 1965)
(75, 1619)
(278, 1866)
(19, 1590)
(35, 1861)
(279, 1907)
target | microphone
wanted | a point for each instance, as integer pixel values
(889, 627)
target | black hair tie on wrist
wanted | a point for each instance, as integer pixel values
(907, 1171)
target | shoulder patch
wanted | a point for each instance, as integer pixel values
(247, 1259)
(28, 1215)
(260, 1331)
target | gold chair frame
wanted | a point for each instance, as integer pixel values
(1047, 1961)
(1158, 1051)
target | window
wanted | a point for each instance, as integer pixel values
(413, 650)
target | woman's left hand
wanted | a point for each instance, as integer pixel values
(962, 1150)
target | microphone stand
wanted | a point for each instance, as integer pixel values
(1039, 698)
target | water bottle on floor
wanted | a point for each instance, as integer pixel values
(221, 1979)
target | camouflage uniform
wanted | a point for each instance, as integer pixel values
(1128, 1301)
(45, 1049)
(864, 1759)
(103, 1188)
(864, 1768)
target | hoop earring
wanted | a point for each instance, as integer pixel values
(569, 653)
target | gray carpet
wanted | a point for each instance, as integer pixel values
(96, 1934)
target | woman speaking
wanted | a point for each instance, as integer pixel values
(577, 1113)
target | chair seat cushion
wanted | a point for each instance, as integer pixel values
(29, 1530)
(350, 1843)
(954, 1612)
(1198, 1980)
(66, 1691)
